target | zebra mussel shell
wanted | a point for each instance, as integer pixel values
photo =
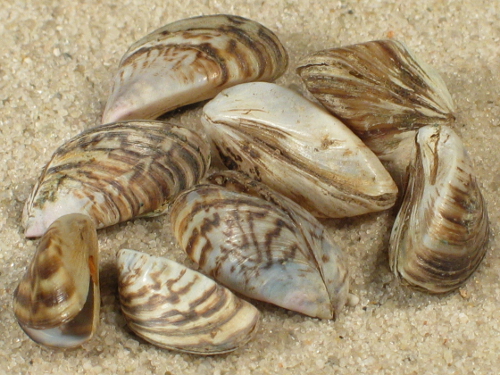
(117, 172)
(382, 92)
(440, 234)
(189, 61)
(57, 300)
(261, 244)
(174, 307)
(297, 148)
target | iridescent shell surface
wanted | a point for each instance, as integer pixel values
(261, 244)
(297, 148)
(382, 91)
(189, 61)
(116, 172)
(57, 301)
(174, 307)
(440, 234)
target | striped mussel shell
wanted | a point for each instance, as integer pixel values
(117, 172)
(440, 234)
(57, 300)
(261, 244)
(192, 60)
(174, 307)
(277, 136)
(381, 91)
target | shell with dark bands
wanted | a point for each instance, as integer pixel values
(174, 307)
(381, 91)
(57, 300)
(440, 234)
(261, 244)
(116, 172)
(192, 60)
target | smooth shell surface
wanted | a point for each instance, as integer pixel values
(57, 301)
(189, 61)
(116, 172)
(296, 147)
(382, 91)
(261, 244)
(440, 233)
(177, 308)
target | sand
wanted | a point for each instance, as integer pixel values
(57, 60)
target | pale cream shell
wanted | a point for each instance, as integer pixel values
(280, 138)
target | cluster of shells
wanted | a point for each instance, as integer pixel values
(253, 228)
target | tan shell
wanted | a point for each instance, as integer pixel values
(440, 234)
(297, 148)
(117, 172)
(176, 308)
(57, 301)
(189, 61)
(382, 92)
(261, 244)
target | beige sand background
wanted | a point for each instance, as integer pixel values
(57, 59)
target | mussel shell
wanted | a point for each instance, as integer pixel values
(276, 136)
(192, 60)
(382, 91)
(174, 307)
(261, 244)
(117, 172)
(440, 234)
(57, 300)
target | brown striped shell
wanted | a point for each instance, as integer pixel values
(189, 61)
(177, 308)
(297, 148)
(440, 234)
(261, 244)
(116, 172)
(382, 92)
(57, 300)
